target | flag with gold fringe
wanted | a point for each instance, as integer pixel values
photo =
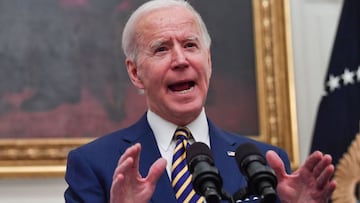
(339, 111)
(337, 121)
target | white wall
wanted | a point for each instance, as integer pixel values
(40, 190)
(313, 26)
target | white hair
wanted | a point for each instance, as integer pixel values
(129, 43)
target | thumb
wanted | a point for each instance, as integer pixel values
(156, 169)
(276, 164)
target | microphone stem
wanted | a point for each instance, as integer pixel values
(226, 196)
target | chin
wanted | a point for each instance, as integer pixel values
(186, 112)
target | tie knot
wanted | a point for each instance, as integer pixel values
(182, 133)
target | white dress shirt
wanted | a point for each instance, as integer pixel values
(164, 134)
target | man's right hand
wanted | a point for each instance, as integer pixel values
(128, 185)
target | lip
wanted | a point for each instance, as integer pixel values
(182, 87)
(185, 91)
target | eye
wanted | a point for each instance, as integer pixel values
(160, 49)
(190, 45)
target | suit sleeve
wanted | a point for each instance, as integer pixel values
(83, 184)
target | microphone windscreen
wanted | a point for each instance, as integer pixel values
(245, 150)
(198, 148)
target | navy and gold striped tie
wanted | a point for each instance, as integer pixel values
(180, 175)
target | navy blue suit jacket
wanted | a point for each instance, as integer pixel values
(90, 167)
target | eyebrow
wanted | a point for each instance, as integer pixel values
(192, 38)
(158, 42)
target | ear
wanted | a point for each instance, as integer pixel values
(133, 74)
(209, 63)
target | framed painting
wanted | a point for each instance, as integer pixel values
(63, 82)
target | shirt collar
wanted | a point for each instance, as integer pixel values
(164, 130)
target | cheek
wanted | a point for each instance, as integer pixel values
(150, 78)
(207, 73)
(143, 71)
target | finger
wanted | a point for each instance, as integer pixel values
(325, 177)
(117, 188)
(117, 183)
(123, 167)
(126, 161)
(320, 166)
(156, 170)
(137, 157)
(130, 152)
(312, 160)
(276, 164)
(328, 190)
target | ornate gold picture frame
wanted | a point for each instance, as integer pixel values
(276, 120)
(275, 76)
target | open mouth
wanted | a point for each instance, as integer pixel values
(182, 87)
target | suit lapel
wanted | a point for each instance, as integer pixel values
(222, 144)
(150, 153)
(143, 134)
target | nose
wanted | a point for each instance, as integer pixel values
(179, 59)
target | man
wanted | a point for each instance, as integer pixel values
(168, 56)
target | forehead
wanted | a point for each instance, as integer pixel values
(169, 19)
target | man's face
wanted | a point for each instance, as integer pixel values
(173, 64)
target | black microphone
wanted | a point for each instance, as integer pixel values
(205, 176)
(261, 178)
